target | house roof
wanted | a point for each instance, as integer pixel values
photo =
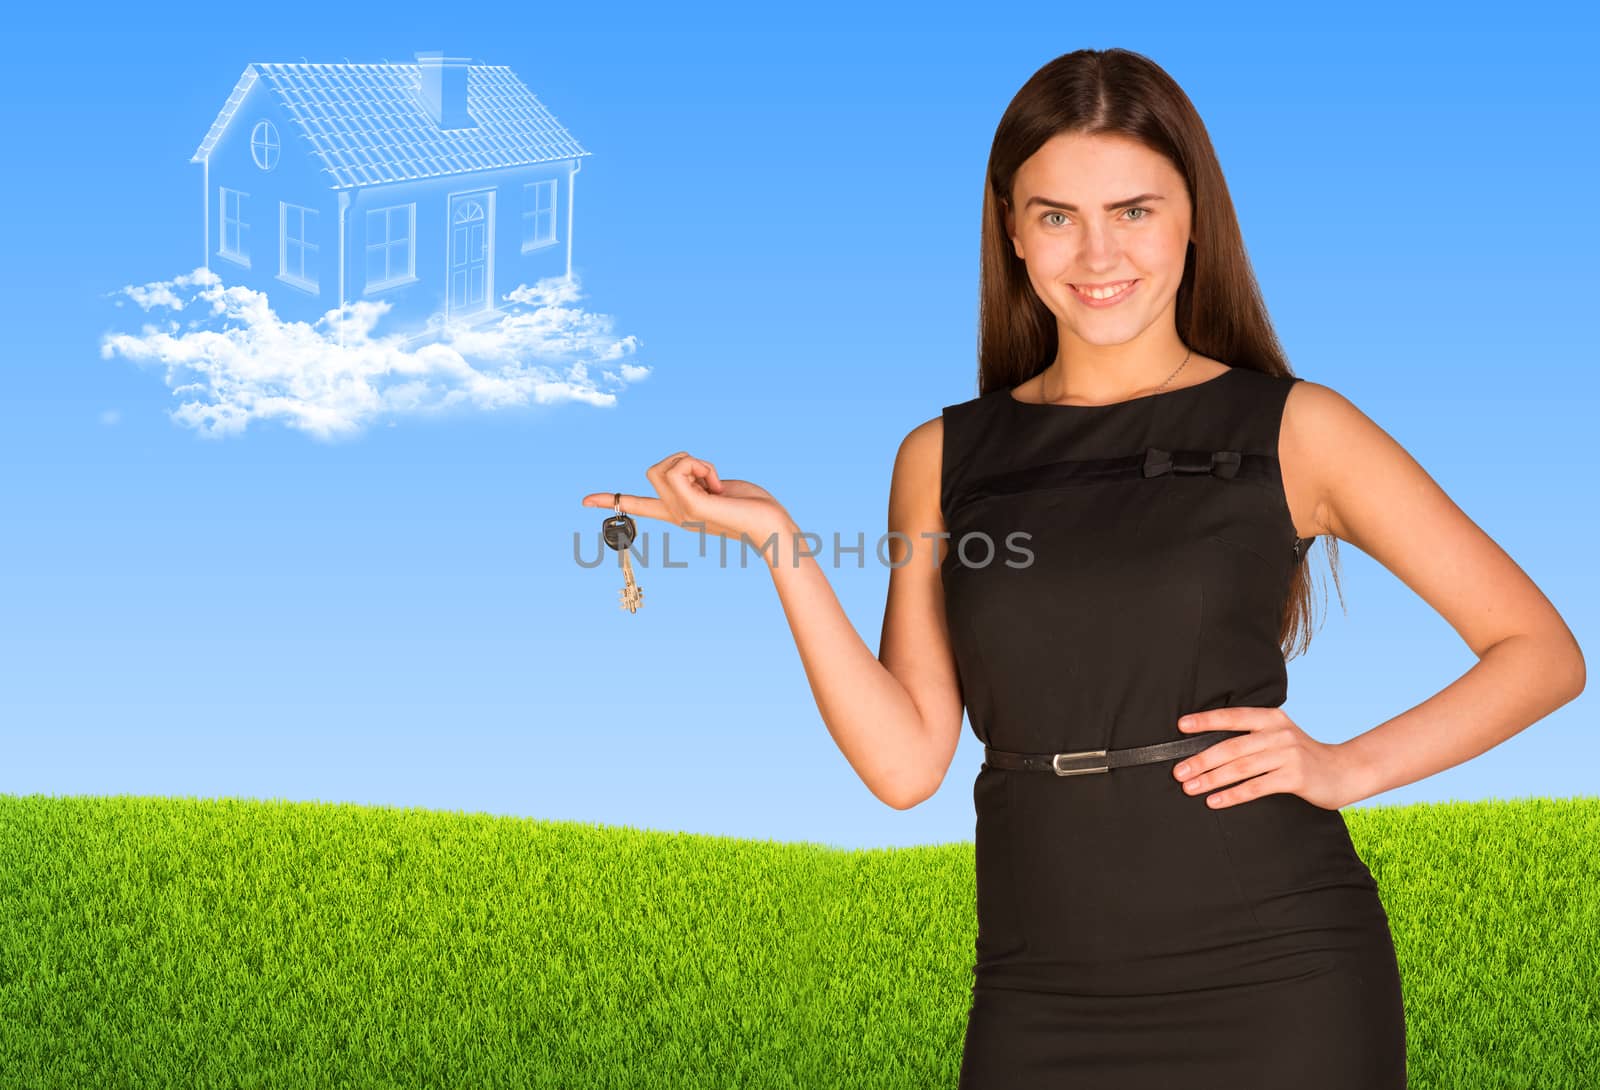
(366, 125)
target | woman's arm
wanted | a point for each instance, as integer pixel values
(895, 716)
(1370, 492)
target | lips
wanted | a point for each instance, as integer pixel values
(1125, 286)
(1114, 284)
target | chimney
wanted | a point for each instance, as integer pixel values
(444, 89)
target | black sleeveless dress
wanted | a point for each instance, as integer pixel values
(1109, 568)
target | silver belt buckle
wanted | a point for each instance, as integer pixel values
(1056, 761)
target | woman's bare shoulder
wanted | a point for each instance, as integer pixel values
(921, 456)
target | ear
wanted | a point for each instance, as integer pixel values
(1011, 226)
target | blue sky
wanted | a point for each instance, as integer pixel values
(775, 248)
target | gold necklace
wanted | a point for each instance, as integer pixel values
(1157, 390)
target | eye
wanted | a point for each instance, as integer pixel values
(1146, 211)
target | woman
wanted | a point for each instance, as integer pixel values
(1167, 894)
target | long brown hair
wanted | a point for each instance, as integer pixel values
(1219, 310)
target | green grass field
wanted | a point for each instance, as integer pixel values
(156, 942)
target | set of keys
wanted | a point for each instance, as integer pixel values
(618, 532)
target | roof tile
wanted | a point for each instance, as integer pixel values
(366, 124)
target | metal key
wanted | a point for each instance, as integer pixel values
(618, 532)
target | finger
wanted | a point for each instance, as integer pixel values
(1240, 718)
(1242, 768)
(1215, 756)
(1269, 784)
(688, 469)
(712, 480)
(665, 464)
(678, 488)
(643, 506)
(657, 475)
(609, 499)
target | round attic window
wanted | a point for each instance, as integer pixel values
(264, 145)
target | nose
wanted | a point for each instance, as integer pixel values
(1100, 253)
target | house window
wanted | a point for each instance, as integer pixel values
(538, 214)
(264, 144)
(297, 254)
(234, 237)
(391, 257)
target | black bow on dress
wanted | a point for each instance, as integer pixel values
(1218, 463)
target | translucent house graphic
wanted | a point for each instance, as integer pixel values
(430, 185)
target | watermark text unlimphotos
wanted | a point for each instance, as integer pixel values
(971, 550)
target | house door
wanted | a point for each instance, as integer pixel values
(471, 251)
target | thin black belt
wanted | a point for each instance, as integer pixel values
(1102, 760)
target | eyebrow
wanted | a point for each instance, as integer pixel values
(1047, 202)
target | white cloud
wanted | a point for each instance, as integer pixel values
(239, 362)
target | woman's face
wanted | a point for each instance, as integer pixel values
(1144, 240)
